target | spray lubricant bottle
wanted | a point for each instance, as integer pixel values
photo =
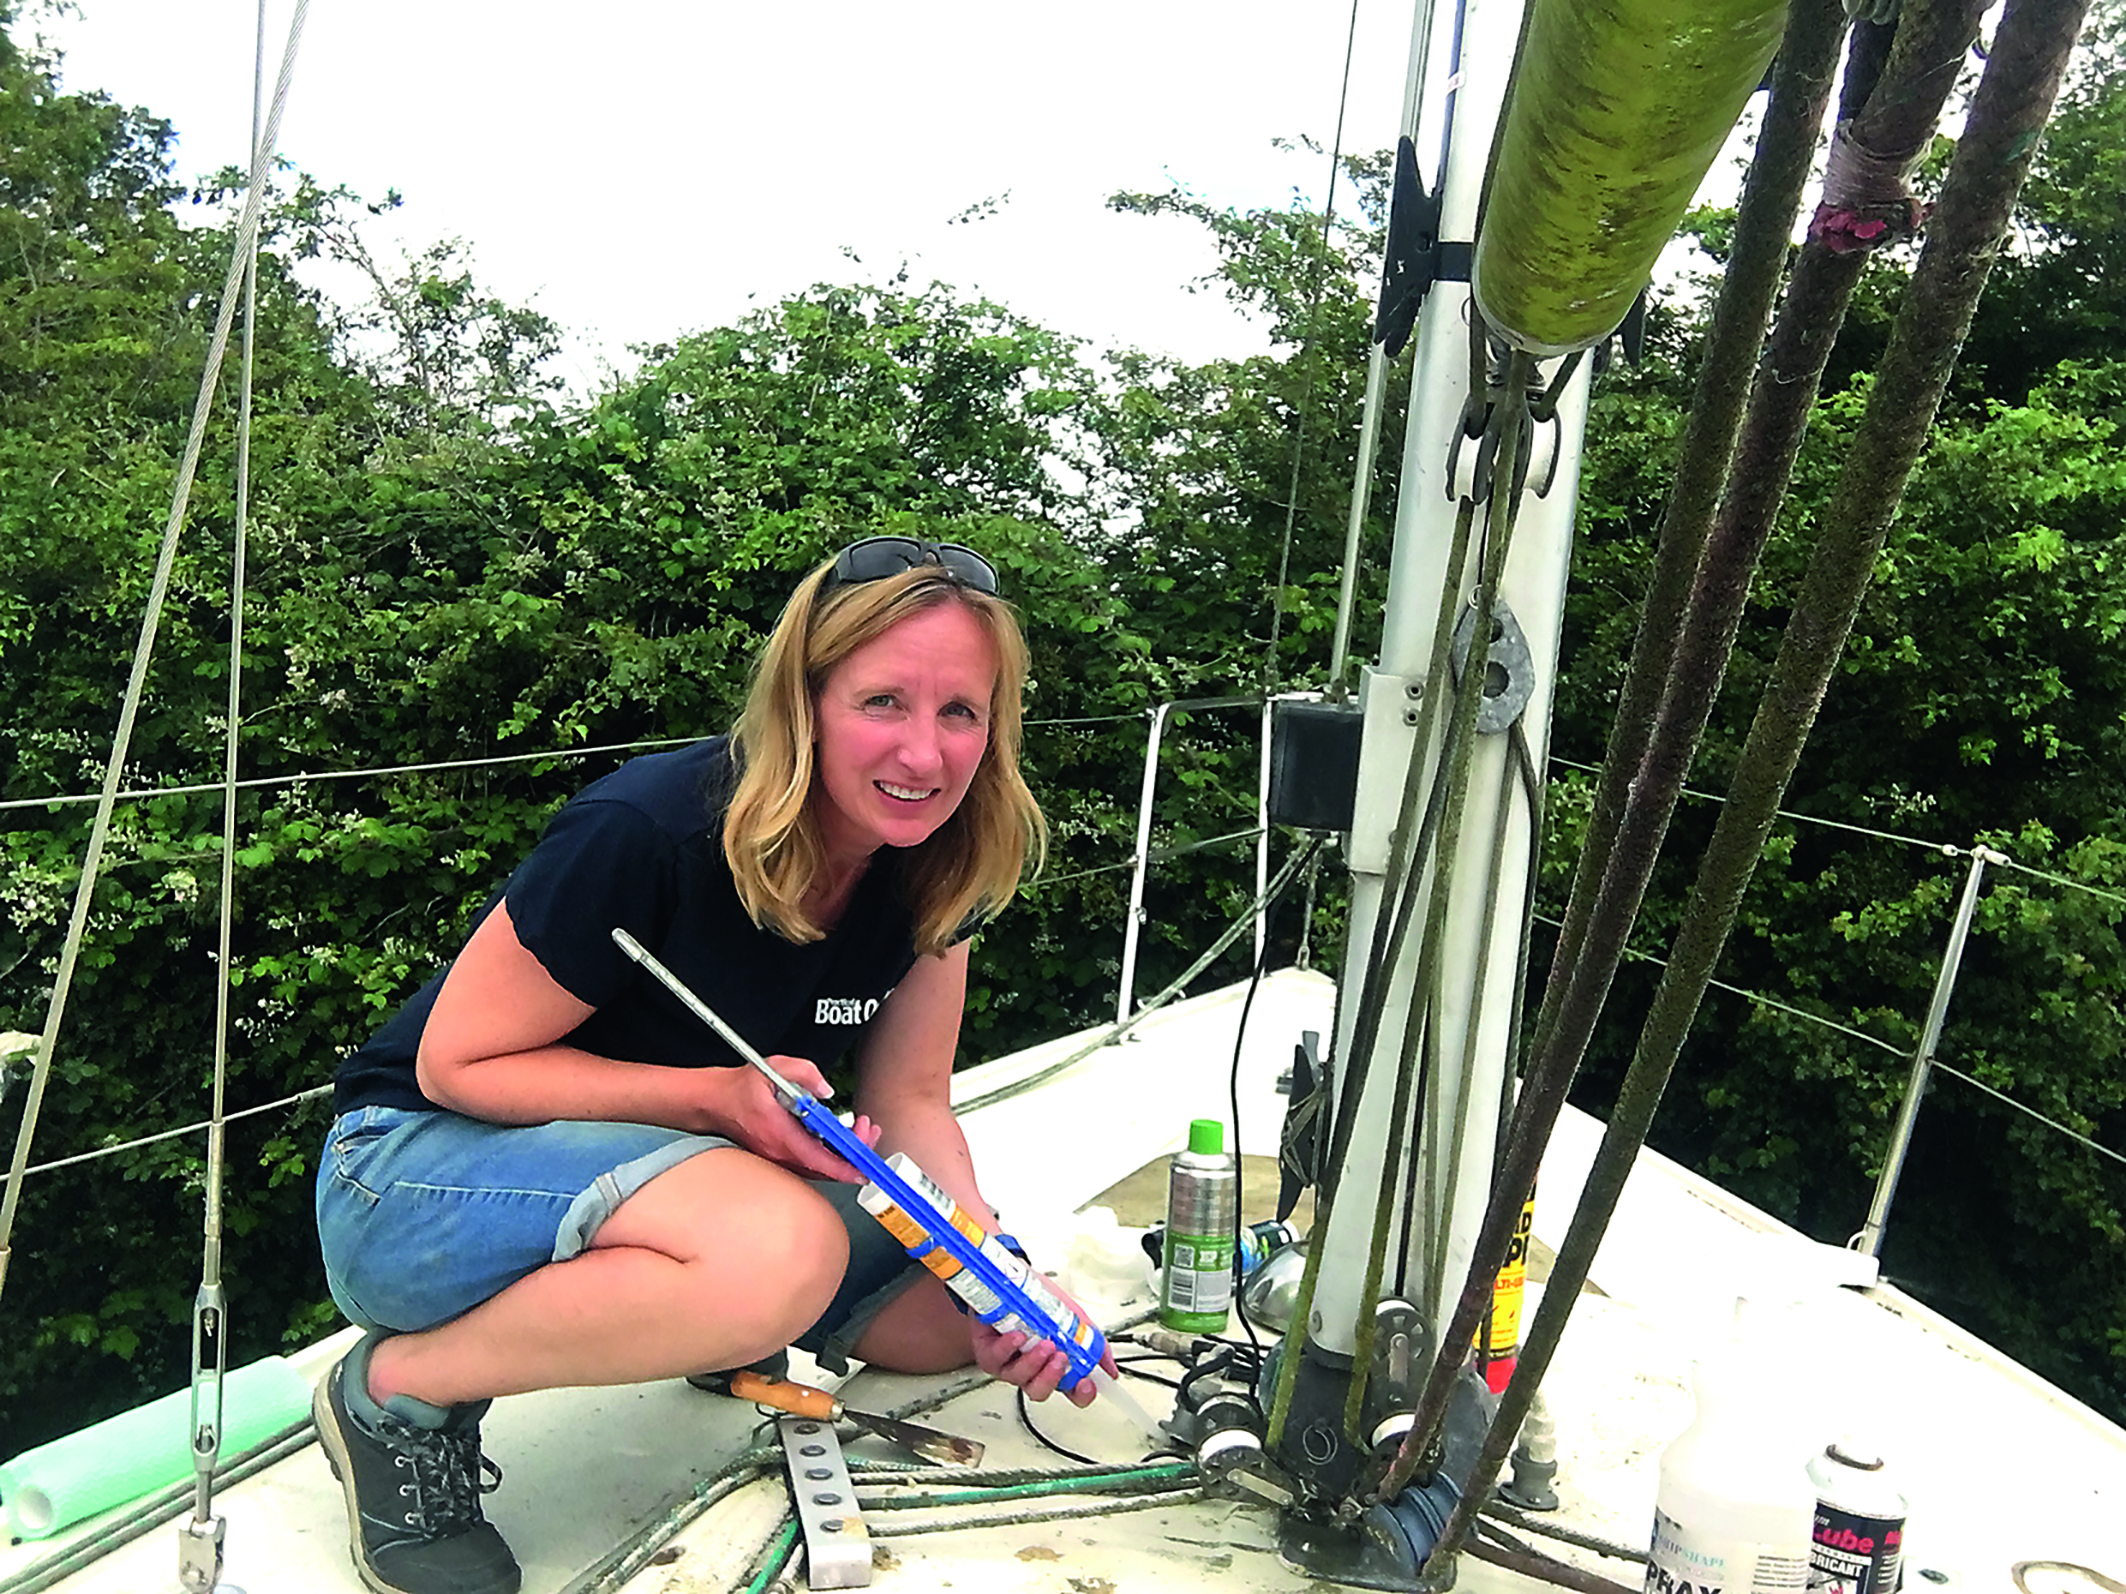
(1858, 1544)
(1202, 1213)
(1735, 1507)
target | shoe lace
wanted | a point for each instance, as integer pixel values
(449, 1476)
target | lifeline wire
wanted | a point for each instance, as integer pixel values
(1806, 819)
(171, 1134)
(1762, 1000)
(100, 829)
(2061, 880)
(1115, 1032)
(496, 760)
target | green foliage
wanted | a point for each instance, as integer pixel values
(443, 566)
(448, 564)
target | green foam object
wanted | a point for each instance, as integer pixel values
(1619, 109)
(143, 1450)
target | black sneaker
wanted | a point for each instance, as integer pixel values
(413, 1499)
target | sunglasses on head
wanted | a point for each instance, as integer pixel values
(876, 558)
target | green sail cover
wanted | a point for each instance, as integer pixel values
(1618, 110)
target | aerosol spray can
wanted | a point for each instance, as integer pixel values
(1202, 1211)
(1858, 1544)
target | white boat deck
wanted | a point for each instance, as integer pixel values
(1999, 1467)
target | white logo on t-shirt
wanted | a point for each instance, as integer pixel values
(845, 1010)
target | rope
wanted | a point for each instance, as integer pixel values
(129, 710)
(777, 1556)
(1146, 1480)
(968, 1522)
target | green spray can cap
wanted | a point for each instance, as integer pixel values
(1206, 1137)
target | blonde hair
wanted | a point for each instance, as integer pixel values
(970, 866)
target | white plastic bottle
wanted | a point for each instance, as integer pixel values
(1735, 1507)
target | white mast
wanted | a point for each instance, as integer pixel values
(1478, 967)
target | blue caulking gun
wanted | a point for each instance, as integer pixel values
(996, 1286)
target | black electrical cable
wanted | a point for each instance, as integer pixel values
(1130, 1367)
(1240, 1222)
(1240, 1035)
(1026, 1417)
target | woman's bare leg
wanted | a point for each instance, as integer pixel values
(716, 1262)
(918, 1331)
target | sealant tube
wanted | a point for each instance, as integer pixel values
(995, 1285)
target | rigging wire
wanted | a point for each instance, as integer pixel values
(1376, 391)
(199, 1554)
(1763, 1000)
(136, 682)
(493, 761)
(268, 782)
(1299, 419)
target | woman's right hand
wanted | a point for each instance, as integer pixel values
(747, 1109)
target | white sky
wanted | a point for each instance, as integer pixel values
(645, 167)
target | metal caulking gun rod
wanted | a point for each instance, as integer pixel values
(707, 1014)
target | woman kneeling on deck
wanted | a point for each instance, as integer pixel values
(546, 1172)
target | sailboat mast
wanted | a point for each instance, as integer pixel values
(1439, 1180)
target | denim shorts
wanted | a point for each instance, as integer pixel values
(424, 1215)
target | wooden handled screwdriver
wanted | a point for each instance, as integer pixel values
(802, 1400)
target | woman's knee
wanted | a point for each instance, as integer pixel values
(767, 1249)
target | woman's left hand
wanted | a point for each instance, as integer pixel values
(1034, 1365)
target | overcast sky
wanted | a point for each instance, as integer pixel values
(640, 168)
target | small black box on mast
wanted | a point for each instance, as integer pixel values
(1313, 762)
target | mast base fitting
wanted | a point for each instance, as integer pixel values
(1312, 1445)
(1385, 1549)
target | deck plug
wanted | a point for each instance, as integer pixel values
(1535, 1461)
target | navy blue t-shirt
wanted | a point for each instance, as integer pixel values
(643, 849)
